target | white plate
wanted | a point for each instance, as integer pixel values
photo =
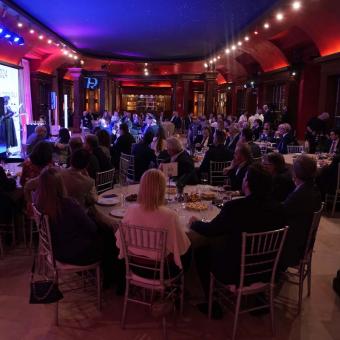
(119, 213)
(108, 201)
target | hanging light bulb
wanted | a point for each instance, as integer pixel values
(32, 31)
(233, 47)
(246, 38)
(227, 50)
(296, 5)
(266, 25)
(279, 16)
(239, 43)
(41, 37)
(49, 41)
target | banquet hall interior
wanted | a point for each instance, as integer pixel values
(170, 169)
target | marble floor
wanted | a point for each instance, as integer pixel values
(79, 319)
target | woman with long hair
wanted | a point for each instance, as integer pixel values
(73, 233)
(159, 141)
(151, 212)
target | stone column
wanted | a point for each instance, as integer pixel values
(78, 90)
(209, 92)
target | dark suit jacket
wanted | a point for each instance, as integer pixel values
(231, 143)
(249, 214)
(144, 158)
(284, 142)
(177, 121)
(236, 177)
(216, 154)
(199, 140)
(283, 185)
(327, 181)
(186, 169)
(255, 150)
(122, 145)
(298, 210)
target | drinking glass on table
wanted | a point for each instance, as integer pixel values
(204, 178)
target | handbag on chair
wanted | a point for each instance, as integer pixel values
(44, 291)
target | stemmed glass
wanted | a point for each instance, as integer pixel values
(204, 178)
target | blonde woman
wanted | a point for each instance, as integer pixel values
(151, 212)
(74, 235)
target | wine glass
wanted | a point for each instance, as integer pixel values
(204, 178)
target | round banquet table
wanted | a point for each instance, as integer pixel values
(103, 211)
(290, 157)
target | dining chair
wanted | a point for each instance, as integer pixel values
(260, 253)
(126, 168)
(295, 148)
(216, 172)
(60, 268)
(334, 198)
(303, 270)
(148, 271)
(104, 180)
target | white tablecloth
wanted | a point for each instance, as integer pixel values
(103, 212)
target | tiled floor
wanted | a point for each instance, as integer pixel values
(79, 319)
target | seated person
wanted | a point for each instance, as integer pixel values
(159, 141)
(104, 140)
(204, 140)
(73, 234)
(216, 153)
(257, 128)
(267, 134)
(176, 120)
(186, 167)
(123, 144)
(40, 156)
(334, 143)
(256, 212)
(61, 146)
(78, 184)
(247, 137)
(39, 134)
(145, 157)
(239, 166)
(283, 183)
(233, 138)
(150, 211)
(98, 160)
(328, 178)
(285, 137)
(299, 208)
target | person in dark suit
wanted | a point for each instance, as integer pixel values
(98, 161)
(239, 166)
(233, 138)
(268, 115)
(216, 153)
(284, 130)
(176, 120)
(145, 157)
(256, 212)
(247, 137)
(123, 144)
(205, 139)
(299, 208)
(186, 168)
(283, 183)
(257, 128)
(267, 135)
(334, 142)
(328, 178)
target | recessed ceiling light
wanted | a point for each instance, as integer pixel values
(233, 47)
(246, 38)
(41, 37)
(256, 33)
(20, 24)
(239, 43)
(266, 25)
(32, 31)
(296, 5)
(279, 16)
(49, 41)
(227, 50)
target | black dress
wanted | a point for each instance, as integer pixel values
(7, 129)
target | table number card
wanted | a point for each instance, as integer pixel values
(170, 169)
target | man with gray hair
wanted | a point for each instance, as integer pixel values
(39, 134)
(186, 167)
(299, 208)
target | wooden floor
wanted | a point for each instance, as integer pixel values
(79, 319)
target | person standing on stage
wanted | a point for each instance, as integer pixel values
(7, 129)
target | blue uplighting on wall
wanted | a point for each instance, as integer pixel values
(12, 38)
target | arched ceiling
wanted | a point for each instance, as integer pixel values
(148, 30)
(312, 31)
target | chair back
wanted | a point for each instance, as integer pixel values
(312, 234)
(45, 241)
(295, 148)
(104, 180)
(216, 172)
(144, 250)
(260, 254)
(126, 168)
